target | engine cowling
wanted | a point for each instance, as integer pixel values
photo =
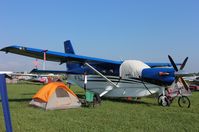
(164, 75)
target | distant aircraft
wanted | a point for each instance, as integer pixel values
(31, 77)
(44, 78)
(193, 80)
(6, 72)
(129, 78)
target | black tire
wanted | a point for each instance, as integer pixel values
(159, 99)
(184, 101)
(160, 102)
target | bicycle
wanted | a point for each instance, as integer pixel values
(171, 94)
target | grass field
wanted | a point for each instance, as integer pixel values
(110, 116)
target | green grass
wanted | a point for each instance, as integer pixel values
(110, 116)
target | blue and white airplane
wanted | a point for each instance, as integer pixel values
(129, 78)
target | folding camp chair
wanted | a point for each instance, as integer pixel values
(90, 98)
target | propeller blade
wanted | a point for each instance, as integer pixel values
(184, 63)
(173, 63)
(184, 84)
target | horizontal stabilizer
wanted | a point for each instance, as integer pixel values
(53, 71)
(48, 71)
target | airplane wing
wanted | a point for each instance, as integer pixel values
(152, 65)
(64, 57)
(56, 56)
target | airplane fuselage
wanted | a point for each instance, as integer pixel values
(126, 87)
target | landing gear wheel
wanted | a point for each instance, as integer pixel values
(163, 101)
(184, 101)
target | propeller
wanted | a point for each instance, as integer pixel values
(184, 63)
(179, 73)
(173, 63)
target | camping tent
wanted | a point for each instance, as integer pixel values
(55, 95)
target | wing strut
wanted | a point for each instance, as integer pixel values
(107, 89)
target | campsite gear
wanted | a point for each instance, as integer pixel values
(92, 98)
(89, 96)
(55, 95)
(89, 99)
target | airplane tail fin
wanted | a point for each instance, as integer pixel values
(68, 47)
(69, 50)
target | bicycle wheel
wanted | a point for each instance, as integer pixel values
(163, 101)
(184, 101)
(159, 99)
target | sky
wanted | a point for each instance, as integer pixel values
(146, 30)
